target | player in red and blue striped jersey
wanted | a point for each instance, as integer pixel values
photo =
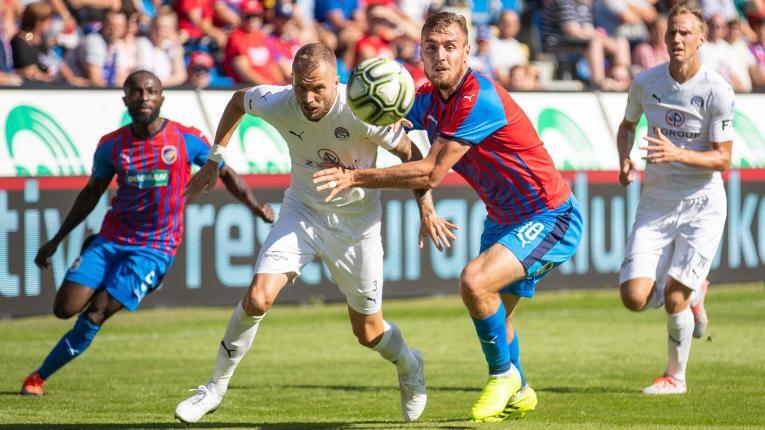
(152, 159)
(533, 221)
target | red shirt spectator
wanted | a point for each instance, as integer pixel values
(247, 58)
(201, 9)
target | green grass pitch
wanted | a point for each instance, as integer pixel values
(584, 353)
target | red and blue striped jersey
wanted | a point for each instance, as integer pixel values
(507, 164)
(151, 174)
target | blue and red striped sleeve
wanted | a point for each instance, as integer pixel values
(103, 159)
(478, 112)
(197, 147)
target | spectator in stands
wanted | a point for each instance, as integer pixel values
(524, 77)
(33, 57)
(346, 19)
(7, 75)
(96, 57)
(743, 64)
(723, 8)
(330, 39)
(10, 15)
(376, 41)
(161, 52)
(407, 49)
(479, 60)
(339, 15)
(507, 51)
(567, 27)
(195, 22)
(758, 47)
(717, 54)
(89, 14)
(200, 65)
(227, 14)
(282, 43)
(625, 18)
(127, 46)
(653, 51)
(247, 57)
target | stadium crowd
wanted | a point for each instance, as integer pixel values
(523, 44)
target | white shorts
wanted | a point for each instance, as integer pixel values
(675, 238)
(349, 245)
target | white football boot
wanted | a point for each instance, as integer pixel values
(204, 401)
(412, 387)
(665, 385)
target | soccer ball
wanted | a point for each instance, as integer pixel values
(380, 91)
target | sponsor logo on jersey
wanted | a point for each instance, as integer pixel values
(675, 118)
(156, 178)
(697, 101)
(328, 155)
(680, 133)
(169, 154)
(342, 133)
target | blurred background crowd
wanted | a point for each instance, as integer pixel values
(526, 45)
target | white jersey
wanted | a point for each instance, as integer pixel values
(339, 137)
(693, 115)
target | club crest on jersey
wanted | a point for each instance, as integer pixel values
(675, 118)
(169, 154)
(342, 133)
(697, 101)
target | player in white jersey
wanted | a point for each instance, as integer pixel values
(320, 129)
(680, 218)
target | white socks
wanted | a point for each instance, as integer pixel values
(679, 332)
(240, 333)
(393, 348)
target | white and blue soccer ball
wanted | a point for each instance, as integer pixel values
(380, 91)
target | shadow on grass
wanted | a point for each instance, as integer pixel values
(585, 390)
(447, 424)
(355, 388)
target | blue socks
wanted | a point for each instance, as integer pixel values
(72, 344)
(515, 356)
(493, 336)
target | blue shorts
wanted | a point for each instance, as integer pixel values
(541, 243)
(127, 272)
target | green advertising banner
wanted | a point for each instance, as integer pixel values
(44, 136)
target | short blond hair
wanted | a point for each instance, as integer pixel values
(690, 9)
(441, 21)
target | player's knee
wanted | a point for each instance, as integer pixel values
(256, 303)
(632, 300)
(470, 281)
(62, 311)
(367, 338)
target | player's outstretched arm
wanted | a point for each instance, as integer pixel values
(431, 225)
(426, 173)
(239, 189)
(207, 176)
(625, 139)
(83, 205)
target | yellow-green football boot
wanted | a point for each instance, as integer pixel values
(496, 395)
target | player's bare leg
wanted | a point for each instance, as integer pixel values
(384, 337)
(239, 335)
(70, 300)
(480, 282)
(641, 293)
